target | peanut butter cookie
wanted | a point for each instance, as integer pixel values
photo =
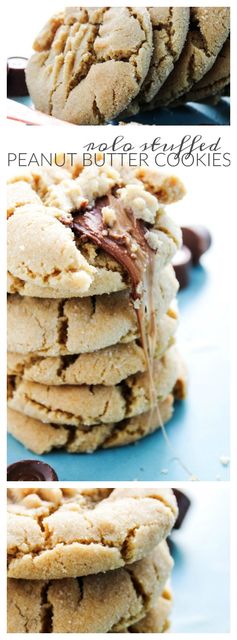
(41, 438)
(90, 63)
(107, 366)
(72, 533)
(215, 81)
(90, 235)
(80, 325)
(102, 603)
(93, 405)
(169, 28)
(157, 618)
(209, 29)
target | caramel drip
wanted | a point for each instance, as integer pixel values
(126, 243)
(148, 333)
(146, 315)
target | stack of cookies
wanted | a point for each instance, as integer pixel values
(89, 561)
(91, 321)
(93, 64)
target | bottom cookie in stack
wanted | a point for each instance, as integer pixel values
(89, 561)
(83, 418)
(42, 438)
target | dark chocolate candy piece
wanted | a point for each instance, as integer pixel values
(183, 505)
(31, 471)
(16, 82)
(171, 545)
(198, 240)
(182, 263)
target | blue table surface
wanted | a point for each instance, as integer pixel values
(199, 429)
(200, 581)
(192, 113)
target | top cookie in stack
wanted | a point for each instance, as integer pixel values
(93, 64)
(91, 325)
(92, 560)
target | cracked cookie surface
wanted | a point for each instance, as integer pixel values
(107, 366)
(72, 533)
(209, 29)
(50, 255)
(102, 603)
(157, 618)
(62, 327)
(95, 404)
(90, 63)
(41, 438)
(169, 28)
(215, 80)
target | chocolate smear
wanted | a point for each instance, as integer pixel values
(125, 241)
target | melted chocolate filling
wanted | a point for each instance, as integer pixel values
(116, 241)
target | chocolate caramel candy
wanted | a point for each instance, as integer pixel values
(30, 471)
(183, 505)
(16, 82)
(198, 240)
(182, 263)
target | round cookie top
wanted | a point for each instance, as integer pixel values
(209, 28)
(90, 63)
(128, 593)
(59, 533)
(90, 234)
